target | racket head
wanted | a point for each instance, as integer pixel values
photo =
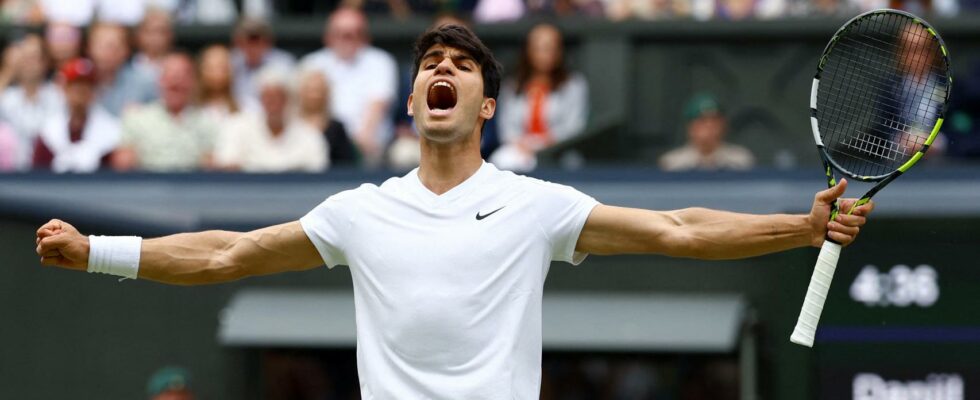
(880, 94)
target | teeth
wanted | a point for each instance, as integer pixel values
(446, 84)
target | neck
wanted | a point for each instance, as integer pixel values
(31, 87)
(445, 165)
(276, 125)
(77, 112)
(107, 75)
(315, 118)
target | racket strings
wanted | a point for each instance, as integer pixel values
(882, 89)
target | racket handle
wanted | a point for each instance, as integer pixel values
(816, 294)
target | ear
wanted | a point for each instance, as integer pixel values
(410, 112)
(488, 108)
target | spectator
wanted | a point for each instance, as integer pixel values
(254, 50)
(569, 8)
(314, 108)
(273, 141)
(170, 383)
(21, 12)
(170, 134)
(79, 136)
(9, 149)
(822, 8)
(120, 84)
(210, 12)
(154, 39)
(215, 94)
(737, 10)
(26, 106)
(363, 79)
(618, 10)
(544, 105)
(491, 11)
(64, 42)
(705, 148)
(83, 12)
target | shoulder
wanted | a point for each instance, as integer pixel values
(351, 199)
(738, 156)
(576, 80)
(280, 56)
(680, 158)
(530, 186)
(378, 56)
(141, 112)
(11, 94)
(102, 119)
(316, 58)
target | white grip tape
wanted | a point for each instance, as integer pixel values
(816, 294)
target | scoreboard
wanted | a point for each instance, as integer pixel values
(902, 321)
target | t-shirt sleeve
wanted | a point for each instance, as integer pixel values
(562, 211)
(328, 225)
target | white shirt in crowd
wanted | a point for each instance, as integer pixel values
(26, 117)
(448, 288)
(100, 136)
(83, 12)
(371, 76)
(246, 142)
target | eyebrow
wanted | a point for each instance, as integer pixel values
(457, 57)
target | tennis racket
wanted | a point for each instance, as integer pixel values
(877, 101)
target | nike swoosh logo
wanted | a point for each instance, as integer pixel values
(479, 217)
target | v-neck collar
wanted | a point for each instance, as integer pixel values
(451, 194)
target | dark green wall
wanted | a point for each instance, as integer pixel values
(75, 335)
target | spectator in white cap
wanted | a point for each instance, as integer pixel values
(274, 140)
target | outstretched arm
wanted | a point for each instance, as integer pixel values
(710, 234)
(193, 258)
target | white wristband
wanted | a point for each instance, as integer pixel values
(115, 255)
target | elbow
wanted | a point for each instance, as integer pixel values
(683, 243)
(223, 266)
(687, 243)
(219, 270)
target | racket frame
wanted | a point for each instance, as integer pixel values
(813, 303)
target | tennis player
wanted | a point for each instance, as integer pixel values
(448, 261)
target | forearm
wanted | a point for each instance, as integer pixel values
(691, 232)
(181, 259)
(190, 258)
(712, 234)
(221, 256)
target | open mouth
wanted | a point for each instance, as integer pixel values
(441, 97)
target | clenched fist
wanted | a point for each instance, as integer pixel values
(843, 229)
(61, 245)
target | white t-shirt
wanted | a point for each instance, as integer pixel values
(245, 141)
(27, 117)
(370, 76)
(99, 137)
(447, 288)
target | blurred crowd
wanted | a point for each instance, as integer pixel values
(82, 12)
(79, 94)
(98, 84)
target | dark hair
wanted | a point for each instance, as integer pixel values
(462, 38)
(558, 75)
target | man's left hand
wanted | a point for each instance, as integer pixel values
(843, 229)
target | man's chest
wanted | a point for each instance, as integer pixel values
(466, 246)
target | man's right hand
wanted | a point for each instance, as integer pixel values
(61, 245)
